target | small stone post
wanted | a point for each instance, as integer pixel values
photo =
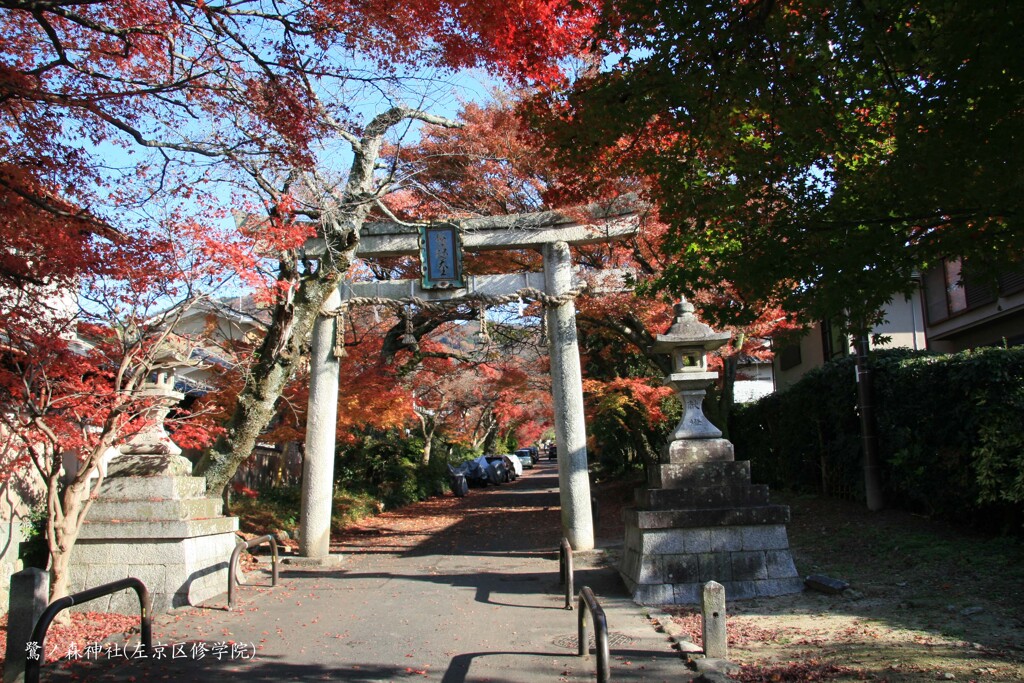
(28, 599)
(567, 395)
(712, 605)
(321, 421)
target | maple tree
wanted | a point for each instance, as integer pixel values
(257, 95)
(812, 154)
(441, 397)
(75, 375)
(372, 394)
(515, 403)
(474, 397)
(340, 209)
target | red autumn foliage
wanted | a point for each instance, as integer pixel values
(472, 402)
(77, 357)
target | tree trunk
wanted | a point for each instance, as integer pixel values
(427, 447)
(282, 348)
(642, 448)
(292, 322)
(823, 458)
(728, 398)
(868, 424)
(491, 436)
(66, 515)
(427, 427)
(60, 579)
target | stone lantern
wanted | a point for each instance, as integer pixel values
(700, 518)
(152, 451)
(688, 342)
(152, 519)
(153, 439)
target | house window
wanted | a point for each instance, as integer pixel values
(956, 293)
(1011, 283)
(949, 289)
(936, 306)
(789, 357)
(834, 344)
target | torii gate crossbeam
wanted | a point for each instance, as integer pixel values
(552, 233)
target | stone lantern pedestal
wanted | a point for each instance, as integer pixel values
(699, 518)
(153, 521)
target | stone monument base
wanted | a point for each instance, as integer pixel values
(160, 529)
(701, 520)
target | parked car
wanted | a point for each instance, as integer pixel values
(552, 452)
(476, 473)
(502, 466)
(526, 458)
(515, 463)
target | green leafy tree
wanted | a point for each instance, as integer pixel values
(812, 153)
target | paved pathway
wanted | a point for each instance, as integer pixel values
(457, 590)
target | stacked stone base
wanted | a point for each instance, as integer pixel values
(160, 529)
(701, 520)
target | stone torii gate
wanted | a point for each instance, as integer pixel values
(552, 233)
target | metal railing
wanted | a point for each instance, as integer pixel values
(565, 571)
(233, 565)
(33, 665)
(587, 602)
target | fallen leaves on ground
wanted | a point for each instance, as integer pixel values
(794, 672)
(739, 630)
(86, 628)
(928, 602)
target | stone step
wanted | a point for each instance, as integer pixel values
(104, 510)
(688, 451)
(152, 488)
(699, 475)
(699, 540)
(701, 497)
(144, 530)
(742, 565)
(688, 518)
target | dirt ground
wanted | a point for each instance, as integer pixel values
(926, 602)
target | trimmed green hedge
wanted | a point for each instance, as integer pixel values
(951, 433)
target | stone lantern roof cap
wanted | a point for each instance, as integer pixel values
(686, 330)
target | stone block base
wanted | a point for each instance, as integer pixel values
(161, 530)
(177, 572)
(700, 519)
(689, 593)
(669, 566)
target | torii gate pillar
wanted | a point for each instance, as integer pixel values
(567, 395)
(321, 427)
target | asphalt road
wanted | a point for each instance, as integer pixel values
(450, 590)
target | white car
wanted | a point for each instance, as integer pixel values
(517, 464)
